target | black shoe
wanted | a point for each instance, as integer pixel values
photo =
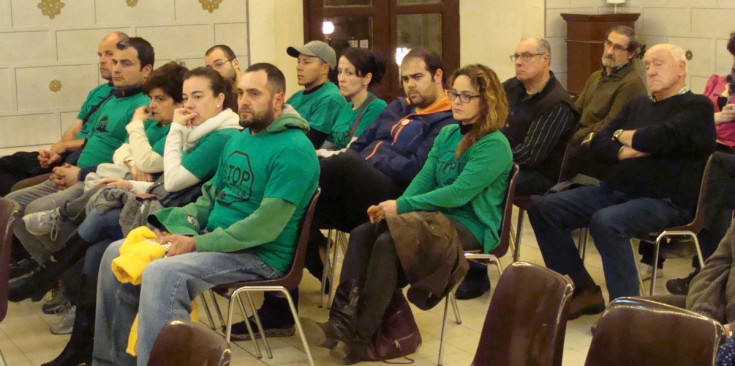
(240, 330)
(33, 287)
(474, 285)
(22, 267)
(71, 356)
(680, 286)
(585, 302)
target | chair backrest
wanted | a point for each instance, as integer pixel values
(699, 217)
(189, 344)
(8, 213)
(505, 228)
(567, 168)
(636, 331)
(525, 323)
(293, 277)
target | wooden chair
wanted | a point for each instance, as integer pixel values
(492, 257)
(189, 344)
(288, 282)
(8, 213)
(525, 322)
(637, 331)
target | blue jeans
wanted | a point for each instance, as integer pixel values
(168, 287)
(96, 226)
(613, 218)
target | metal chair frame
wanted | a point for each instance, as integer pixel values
(290, 281)
(492, 257)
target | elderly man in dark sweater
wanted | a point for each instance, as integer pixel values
(657, 148)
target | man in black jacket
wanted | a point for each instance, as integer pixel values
(656, 150)
(540, 122)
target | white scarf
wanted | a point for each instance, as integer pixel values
(225, 119)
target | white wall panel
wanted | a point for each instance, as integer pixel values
(5, 92)
(40, 129)
(27, 13)
(17, 48)
(144, 11)
(35, 94)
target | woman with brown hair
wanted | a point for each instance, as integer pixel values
(456, 199)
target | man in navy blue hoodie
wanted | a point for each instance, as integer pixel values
(376, 167)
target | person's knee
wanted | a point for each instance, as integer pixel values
(606, 223)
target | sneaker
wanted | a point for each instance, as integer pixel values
(57, 301)
(240, 330)
(585, 302)
(66, 323)
(43, 222)
(646, 271)
(680, 286)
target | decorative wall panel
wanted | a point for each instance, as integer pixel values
(48, 62)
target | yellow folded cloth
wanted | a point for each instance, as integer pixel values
(140, 247)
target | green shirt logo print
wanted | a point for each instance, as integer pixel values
(239, 176)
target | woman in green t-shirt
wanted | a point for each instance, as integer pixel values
(453, 204)
(358, 71)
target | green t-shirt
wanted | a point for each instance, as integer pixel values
(319, 107)
(109, 128)
(201, 160)
(470, 189)
(340, 135)
(96, 96)
(156, 134)
(279, 165)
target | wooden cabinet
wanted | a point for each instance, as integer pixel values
(585, 35)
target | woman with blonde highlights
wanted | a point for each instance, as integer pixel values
(453, 204)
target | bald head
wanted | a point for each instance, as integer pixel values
(666, 70)
(104, 52)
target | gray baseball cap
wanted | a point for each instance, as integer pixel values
(316, 49)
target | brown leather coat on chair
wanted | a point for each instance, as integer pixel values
(430, 253)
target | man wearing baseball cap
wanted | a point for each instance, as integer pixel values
(319, 102)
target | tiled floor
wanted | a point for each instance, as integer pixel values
(25, 339)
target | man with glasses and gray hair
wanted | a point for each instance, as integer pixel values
(541, 120)
(222, 58)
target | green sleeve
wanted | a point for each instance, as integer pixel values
(482, 168)
(263, 226)
(372, 111)
(199, 209)
(424, 181)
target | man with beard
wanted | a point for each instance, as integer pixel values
(222, 59)
(376, 167)
(607, 90)
(250, 213)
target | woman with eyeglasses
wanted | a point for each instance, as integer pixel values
(358, 70)
(455, 200)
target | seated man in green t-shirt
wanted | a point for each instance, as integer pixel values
(250, 213)
(26, 164)
(319, 102)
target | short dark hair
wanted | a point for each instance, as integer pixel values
(432, 59)
(169, 78)
(633, 44)
(276, 80)
(144, 48)
(217, 84)
(731, 44)
(366, 62)
(226, 49)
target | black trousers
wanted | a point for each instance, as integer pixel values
(18, 166)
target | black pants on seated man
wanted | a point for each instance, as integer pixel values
(349, 186)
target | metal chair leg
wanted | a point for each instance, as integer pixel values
(208, 312)
(440, 361)
(519, 228)
(259, 324)
(455, 307)
(295, 315)
(216, 307)
(230, 310)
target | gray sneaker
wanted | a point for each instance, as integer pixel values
(43, 222)
(66, 323)
(57, 301)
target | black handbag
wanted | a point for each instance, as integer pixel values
(175, 199)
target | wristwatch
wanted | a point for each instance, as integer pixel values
(616, 134)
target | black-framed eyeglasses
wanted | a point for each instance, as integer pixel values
(525, 56)
(464, 98)
(607, 44)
